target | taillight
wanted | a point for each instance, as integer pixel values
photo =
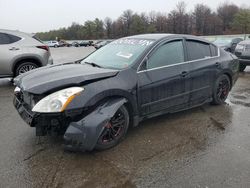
(44, 48)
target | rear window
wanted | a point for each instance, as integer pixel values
(8, 39)
(198, 50)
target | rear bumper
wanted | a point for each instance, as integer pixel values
(50, 61)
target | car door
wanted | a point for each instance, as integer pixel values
(204, 63)
(7, 53)
(163, 83)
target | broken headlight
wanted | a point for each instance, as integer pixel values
(58, 101)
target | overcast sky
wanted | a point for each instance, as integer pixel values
(44, 15)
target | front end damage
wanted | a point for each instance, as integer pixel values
(83, 135)
(81, 127)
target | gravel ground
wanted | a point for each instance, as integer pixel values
(207, 146)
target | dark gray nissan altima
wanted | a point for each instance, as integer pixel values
(92, 102)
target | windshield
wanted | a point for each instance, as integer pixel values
(119, 54)
(222, 42)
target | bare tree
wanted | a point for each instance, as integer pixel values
(226, 13)
(127, 20)
(108, 27)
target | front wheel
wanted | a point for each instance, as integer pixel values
(115, 130)
(221, 90)
(242, 67)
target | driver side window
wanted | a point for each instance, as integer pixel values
(168, 54)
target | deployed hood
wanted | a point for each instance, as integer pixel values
(48, 78)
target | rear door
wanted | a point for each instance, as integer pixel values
(204, 63)
(164, 84)
(8, 50)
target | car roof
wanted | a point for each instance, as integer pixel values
(161, 36)
(16, 32)
(245, 42)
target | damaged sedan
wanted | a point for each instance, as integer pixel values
(93, 102)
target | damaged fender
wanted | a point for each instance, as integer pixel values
(83, 135)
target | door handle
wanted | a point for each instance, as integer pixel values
(218, 65)
(184, 74)
(14, 48)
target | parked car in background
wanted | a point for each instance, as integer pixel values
(52, 43)
(93, 102)
(96, 42)
(242, 51)
(101, 44)
(75, 44)
(228, 44)
(21, 52)
(86, 43)
(63, 43)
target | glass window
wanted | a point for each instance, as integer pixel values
(120, 53)
(4, 39)
(168, 54)
(198, 50)
(8, 39)
(14, 38)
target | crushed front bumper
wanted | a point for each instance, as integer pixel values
(23, 111)
(79, 135)
(45, 124)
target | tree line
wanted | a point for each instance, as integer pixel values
(227, 19)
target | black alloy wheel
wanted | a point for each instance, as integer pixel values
(221, 90)
(242, 67)
(115, 130)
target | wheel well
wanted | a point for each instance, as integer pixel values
(19, 62)
(128, 105)
(230, 78)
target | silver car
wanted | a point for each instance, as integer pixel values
(21, 52)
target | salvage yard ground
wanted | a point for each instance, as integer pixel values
(207, 146)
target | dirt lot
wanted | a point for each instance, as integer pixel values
(207, 146)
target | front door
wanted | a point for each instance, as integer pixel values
(164, 84)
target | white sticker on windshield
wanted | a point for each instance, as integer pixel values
(133, 42)
(125, 55)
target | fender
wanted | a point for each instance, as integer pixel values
(83, 135)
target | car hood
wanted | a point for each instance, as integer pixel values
(45, 79)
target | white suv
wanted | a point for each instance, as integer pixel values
(53, 43)
(21, 52)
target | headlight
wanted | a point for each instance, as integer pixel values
(17, 90)
(58, 101)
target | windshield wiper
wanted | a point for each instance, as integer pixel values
(93, 64)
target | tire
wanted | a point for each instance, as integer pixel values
(221, 90)
(25, 67)
(56, 46)
(113, 135)
(242, 67)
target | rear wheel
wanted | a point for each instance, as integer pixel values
(242, 67)
(221, 90)
(115, 130)
(25, 67)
